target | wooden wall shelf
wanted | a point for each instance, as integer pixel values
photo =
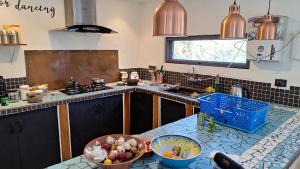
(21, 44)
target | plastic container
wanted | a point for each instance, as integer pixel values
(24, 89)
(240, 113)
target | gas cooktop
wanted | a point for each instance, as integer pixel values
(72, 87)
(84, 89)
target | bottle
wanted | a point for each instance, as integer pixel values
(201, 119)
(217, 84)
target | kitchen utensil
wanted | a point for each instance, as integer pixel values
(3, 92)
(165, 143)
(160, 77)
(225, 162)
(14, 95)
(98, 84)
(134, 75)
(132, 82)
(72, 83)
(72, 87)
(98, 80)
(24, 89)
(240, 91)
(162, 68)
(124, 76)
(122, 165)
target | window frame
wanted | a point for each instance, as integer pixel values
(169, 52)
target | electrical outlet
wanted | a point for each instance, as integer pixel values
(280, 82)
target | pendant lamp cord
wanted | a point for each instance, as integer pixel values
(269, 7)
(234, 2)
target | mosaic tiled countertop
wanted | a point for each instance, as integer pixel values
(58, 98)
(272, 146)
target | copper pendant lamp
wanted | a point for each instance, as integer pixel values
(234, 25)
(170, 19)
(267, 30)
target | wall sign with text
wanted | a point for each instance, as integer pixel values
(20, 6)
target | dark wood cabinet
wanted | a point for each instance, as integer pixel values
(30, 139)
(9, 151)
(39, 138)
(141, 117)
(196, 110)
(171, 111)
(94, 118)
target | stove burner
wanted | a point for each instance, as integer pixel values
(79, 89)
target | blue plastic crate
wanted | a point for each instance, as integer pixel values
(240, 113)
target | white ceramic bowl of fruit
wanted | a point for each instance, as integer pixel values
(115, 151)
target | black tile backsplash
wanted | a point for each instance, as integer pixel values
(13, 83)
(258, 90)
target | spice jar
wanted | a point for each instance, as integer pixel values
(13, 37)
(4, 37)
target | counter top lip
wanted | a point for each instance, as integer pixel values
(61, 98)
(290, 125)
(66, 99)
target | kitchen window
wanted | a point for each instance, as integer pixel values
(207, 50)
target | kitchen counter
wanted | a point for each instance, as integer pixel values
(57, 98)
(272, 146)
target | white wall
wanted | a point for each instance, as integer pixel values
(137, 47)
(204, 17)
(120, 15)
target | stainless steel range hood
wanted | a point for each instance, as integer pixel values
(81, 16)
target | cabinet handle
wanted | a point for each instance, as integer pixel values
(99, 107)
(11, 126)
(20, 125)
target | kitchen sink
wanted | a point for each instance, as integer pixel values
(186, 91)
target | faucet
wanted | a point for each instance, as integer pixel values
(192, 78)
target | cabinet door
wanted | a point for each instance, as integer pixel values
(171, 111)
(141, 118)
(9, 149)
(196, 110)
(112, 115)
(92, 119)
(38, 138)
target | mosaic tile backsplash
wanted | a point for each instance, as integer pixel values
(13, 83)
(258, 90)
